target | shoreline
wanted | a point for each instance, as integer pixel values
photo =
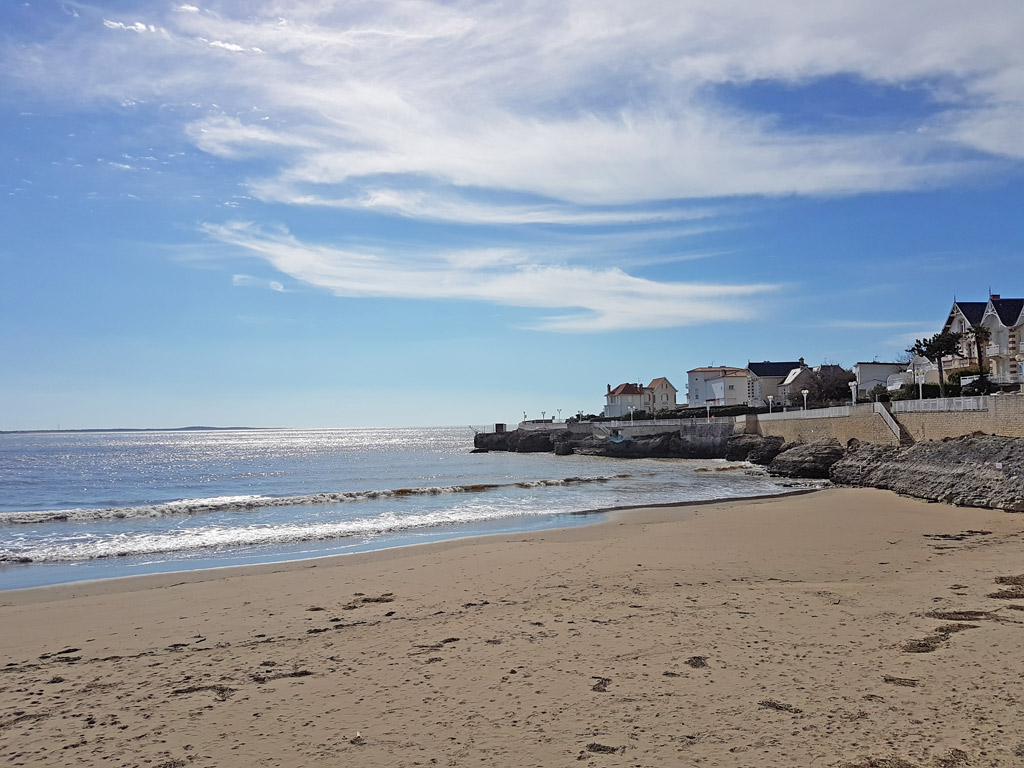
(198, 575)
(736, 632)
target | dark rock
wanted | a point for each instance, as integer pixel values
(496, 441)
(738, 447)
(757, 449)
(640, 447)
(811, 460)
(971, 471)
(534, 442)
(563, 448)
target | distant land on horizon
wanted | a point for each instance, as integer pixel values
(125, 429)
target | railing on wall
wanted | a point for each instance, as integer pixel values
(980, 403)
(815, 413)
(890, 422)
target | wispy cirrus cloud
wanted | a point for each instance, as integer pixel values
(606, 299)
(596, 104)
(557, 115)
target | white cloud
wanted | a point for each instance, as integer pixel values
(226, 46)
(596, 299)
(597, 103)
(248, 281)
(136, 27)
(525, 114)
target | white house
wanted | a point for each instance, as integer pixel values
(622, 399)
(1004, 320)
(728, 389)
(699, 391)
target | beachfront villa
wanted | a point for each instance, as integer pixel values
(626, 398)
(1004, 321)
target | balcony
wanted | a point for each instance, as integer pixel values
(995, 350)
(1000, 378)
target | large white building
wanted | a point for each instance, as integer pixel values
(700, 389)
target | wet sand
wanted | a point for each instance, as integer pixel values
(839, 628)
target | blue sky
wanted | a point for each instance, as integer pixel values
(300, 213)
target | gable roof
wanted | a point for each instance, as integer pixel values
(972, 311)
(660, 380)
(768, 368)
(626, 389)
(793, 375)
(1008, 310)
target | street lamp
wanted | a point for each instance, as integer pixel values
(631, 409)
(1020, 376)
(805, 393)
(853, 392)
(771, 399)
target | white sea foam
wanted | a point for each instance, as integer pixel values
(189, 507)
(214, 537)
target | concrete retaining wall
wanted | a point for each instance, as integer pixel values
(1004, 417)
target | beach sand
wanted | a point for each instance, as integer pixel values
(824, 629)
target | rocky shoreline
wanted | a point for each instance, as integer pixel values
(972, 471)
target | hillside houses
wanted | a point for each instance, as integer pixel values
(787, 383)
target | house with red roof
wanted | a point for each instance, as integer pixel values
(626, 398)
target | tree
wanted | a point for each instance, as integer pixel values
(830, 383)
(934, 349)
(981, 336)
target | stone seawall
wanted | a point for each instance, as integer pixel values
(1004, 417)
(864, 426)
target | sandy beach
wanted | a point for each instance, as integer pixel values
(837, 628)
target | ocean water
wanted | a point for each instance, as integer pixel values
(78, 506)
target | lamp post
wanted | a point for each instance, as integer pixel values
(631, 409)
(1020, 376)
(805, 393)
(771, 399)
(853, 392)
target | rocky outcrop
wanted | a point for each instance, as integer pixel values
(971, 471)
(517, 441)
(700, 441)
(756, 449)
(809, 460)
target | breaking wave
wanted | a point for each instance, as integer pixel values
(190, 507)
(217, 537)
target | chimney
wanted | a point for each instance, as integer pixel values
(609, 388)
(802, 363)
(994, 297)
